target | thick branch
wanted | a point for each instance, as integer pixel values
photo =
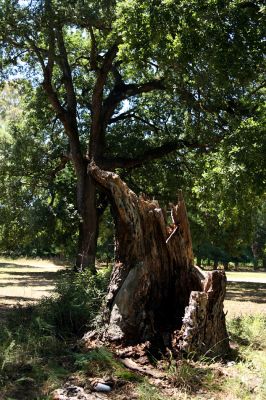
(123, 92)
(67, 117)
(123, 116)
(66, 70)
(63, 162)
(93, 52)
(148, 155)
(97, 102)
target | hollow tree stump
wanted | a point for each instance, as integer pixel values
(154, 281)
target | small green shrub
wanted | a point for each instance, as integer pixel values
(249, 330)
(78, 298)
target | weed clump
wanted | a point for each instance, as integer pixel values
(77, 301)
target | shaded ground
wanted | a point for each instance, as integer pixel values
(24, 281)
(246, 293)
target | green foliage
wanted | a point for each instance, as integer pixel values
(37, 208)
(147, 391)
(77, 303)
(249, 378)
(249, 330)
(208, 56)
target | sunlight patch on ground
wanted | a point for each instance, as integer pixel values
(246, 276)
(25, 281)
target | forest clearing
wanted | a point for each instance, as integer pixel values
(132, 154)
(24, 366)
(24, 281)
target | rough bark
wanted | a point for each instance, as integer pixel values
(226, 265)
(203, 330)
(88, 226)
(199, 261)
(154, 279)
(215, 265)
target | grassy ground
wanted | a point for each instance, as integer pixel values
(246, 276)
(25, 280)
(245, 298)
(38, 351)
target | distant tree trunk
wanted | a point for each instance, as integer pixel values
(236, 266)
(88, 226)
(264, 263)
(255, 264)
(215, 265)
(255, 251)
(226, 266)
(199, 261)
(154, 279)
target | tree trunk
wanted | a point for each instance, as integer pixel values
(226, 265)
(204, 330)
(154, 278)
(199, 261)
(215, 265)
(88, 227)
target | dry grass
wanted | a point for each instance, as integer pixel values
(26, 280)
(245, 298)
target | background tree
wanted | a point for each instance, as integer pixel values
(129, 82)
(37, 211)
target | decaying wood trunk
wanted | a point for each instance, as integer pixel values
(155, 293)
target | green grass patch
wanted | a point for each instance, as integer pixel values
(247, 378)
(101, 362)
(249, 331)
(146, 391)
(36, 341)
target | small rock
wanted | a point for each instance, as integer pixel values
(230, 364)
(101, 387)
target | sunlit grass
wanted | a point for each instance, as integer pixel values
(256, 276)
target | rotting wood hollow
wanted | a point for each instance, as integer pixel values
(155, 293)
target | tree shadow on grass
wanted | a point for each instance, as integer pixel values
(29, 278)
(16, 277)
(7, 265)
(246, 291)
